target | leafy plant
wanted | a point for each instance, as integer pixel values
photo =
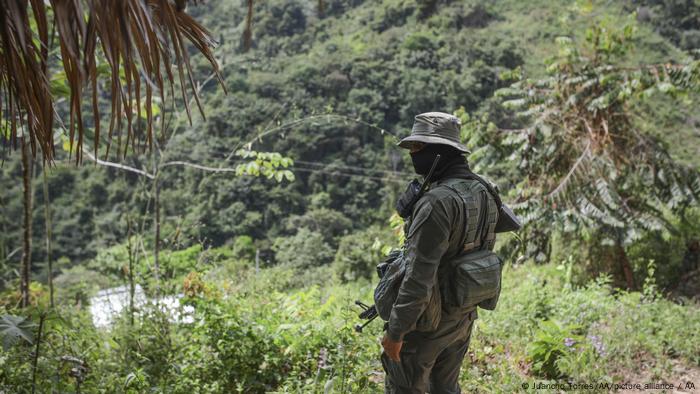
(585, 161)
(552, 346)
(267, 164)
(305, 249)
(15, 328)
(650, 288)
(358, 255)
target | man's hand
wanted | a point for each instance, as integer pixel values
(392, 348)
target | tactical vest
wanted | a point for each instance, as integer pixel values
(469, 190)
(473, 277)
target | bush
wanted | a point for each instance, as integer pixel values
(275, 332)
(303, 250)
(178, 263)
(328, 222)
(77, 284)
(243, 248)
(358, 255)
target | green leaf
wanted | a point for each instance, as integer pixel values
(14, 328)
(514, 104)
(246, 154)
(563, 40)
(66, 144)
(253, 168)
(665, 87)
(5, 129)
(59, 86)
(130, 379)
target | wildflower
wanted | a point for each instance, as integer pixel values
(323, 358)
(569, 342)
(597, 344)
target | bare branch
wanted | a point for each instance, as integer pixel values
(117, 165)
(197, 166)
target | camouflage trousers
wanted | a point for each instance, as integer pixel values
(430, 362)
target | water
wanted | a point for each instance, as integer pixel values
(108, 304)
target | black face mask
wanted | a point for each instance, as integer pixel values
(424, 158)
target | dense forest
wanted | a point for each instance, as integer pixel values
(266, 215)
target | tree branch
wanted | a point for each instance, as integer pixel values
(118, 165)
(578, 162)
(197, 166)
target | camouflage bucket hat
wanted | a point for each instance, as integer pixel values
(435, 128)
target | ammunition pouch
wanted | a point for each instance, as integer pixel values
(476, 279)
(475, 273)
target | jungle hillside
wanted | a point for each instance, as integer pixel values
(201, 217)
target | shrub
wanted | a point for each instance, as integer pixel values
(358, 255)
(303, 250)
(557, 350)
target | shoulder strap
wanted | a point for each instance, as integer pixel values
(494, 208)
(488, 187)
(468, 193)
(489, 235)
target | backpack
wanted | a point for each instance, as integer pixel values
(475, 273)
(387, 291)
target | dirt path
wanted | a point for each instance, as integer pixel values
(684, 378)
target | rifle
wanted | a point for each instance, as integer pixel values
(368, 312)
(404, 206)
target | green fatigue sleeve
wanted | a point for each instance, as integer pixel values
(426, 242)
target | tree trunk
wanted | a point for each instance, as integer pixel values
(35, 361)
(47, 224)
(257, 261)
(156, 224)
(156, 213)
(27, 244)
(4, 251)
(625, 264)
(132, 253)
(248, 32)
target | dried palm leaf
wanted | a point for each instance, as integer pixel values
(139, 40)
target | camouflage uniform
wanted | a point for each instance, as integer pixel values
(431, 357)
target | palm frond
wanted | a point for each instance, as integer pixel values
(138, 40)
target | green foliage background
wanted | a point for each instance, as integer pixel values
(371, 66)
(332, 92)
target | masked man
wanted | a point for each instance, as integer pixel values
(428, 332)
